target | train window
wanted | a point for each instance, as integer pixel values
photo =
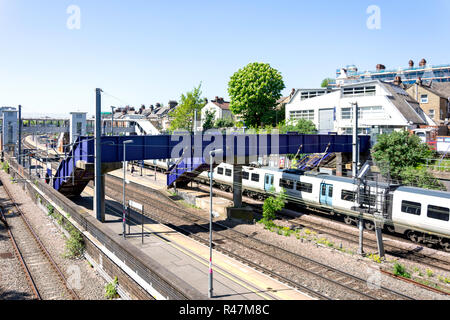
(367, 199)
(228, 172)
(438, 213)
(285, 183)
(330, 191)
(219, 170)
(255, 177)
(324, 190)
(411, 207)
(347, 195)
(304, 187)
(245, 175)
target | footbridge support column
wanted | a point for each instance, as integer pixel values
(237, 185)
(106, 167)
(100, 193)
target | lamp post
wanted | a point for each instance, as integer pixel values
(124, 179)
(211, 155)
(112, 120)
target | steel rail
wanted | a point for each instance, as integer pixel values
(42, 247)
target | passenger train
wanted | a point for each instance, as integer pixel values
(420, 214)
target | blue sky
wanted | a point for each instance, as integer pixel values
(152, 51)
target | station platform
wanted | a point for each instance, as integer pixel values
(31, 141)
(189, 259)
(198, 199)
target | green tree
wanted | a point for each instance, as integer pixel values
(224, 123)
(302, 126)
(254, 91)
(326, 82)
(209, 120)
(183, 115)
(400, 150)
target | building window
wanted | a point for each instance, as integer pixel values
(431, 113)
(363, 131)
(302, 114)
(359, 91)
(372, 112)
(424, 98)
(311, 94)
(346, 113)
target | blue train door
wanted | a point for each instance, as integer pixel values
(326, 194)
(268, 182)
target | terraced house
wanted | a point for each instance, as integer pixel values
(434, 99)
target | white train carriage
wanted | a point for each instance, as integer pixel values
(161, 165)
(417, 213)
(420, 214)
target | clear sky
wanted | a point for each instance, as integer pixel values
(145, 51)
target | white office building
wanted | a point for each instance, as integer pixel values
(383, 108)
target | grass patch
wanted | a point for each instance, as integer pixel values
(400, 270)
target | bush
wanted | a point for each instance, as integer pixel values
(420, 177)
(272, 205)
(74, 245)
(111, 290)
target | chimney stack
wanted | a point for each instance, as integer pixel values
(398, 81)
(381, 67)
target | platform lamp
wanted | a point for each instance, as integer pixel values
(211, 155)
(124, 181)
(112, 120)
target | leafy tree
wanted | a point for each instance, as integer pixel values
(183, 115)
(209, 120)
(420, 177)
(254, 91)
(302, 126)
(326, 82)
(224, 123)
(402, 152)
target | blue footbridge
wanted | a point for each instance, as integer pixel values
(78, 167)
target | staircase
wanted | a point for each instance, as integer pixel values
(75, 172)
(185, 170)
(311, 161)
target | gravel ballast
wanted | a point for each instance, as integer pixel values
(83, 278)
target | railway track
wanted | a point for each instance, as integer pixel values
(43, 274)
(346, 236)
(353, 237)
(296, 270)
(370, 243)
